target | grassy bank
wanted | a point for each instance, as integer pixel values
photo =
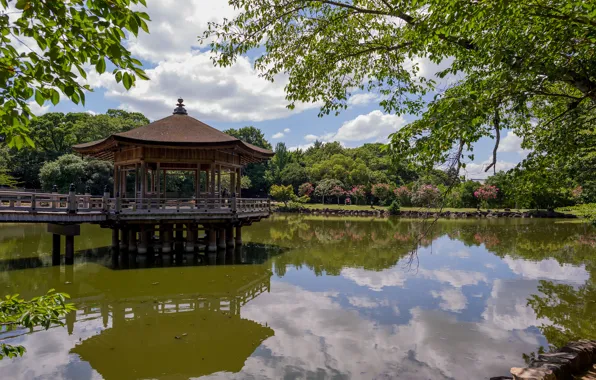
(367, 207)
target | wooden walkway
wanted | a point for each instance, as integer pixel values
(28, 207)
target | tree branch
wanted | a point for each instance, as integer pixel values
(497, 126)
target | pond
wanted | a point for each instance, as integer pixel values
(310, 297)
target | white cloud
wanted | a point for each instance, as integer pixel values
(234, 93)
(287, 130)
(175, 28)
(454, 277)
(300, 147)
(512, 143)
(475, 170)
(38, 110)
(278, 135)
(376, 280)
(366, 302)
(453, 299)
(548, 269)
(362, 99)
(375, 126)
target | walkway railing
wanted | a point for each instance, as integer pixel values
(81, 204)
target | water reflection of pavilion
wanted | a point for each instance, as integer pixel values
(183, 321)
(182, 337)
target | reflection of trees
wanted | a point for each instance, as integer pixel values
(572, 311)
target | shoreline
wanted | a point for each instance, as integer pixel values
(382, 213)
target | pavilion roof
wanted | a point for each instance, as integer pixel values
(178, 130)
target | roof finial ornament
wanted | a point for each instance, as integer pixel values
(180, 110)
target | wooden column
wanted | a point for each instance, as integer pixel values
(165, 183)
(212, 243)
(219, 181)
(165, 233)
(229, 236)
(213, 180)
(143, 180)
(132, 240)
(221, 244)
(124, 238)
(233, 182)
(116, 180)
(69, 254)
(238, 182)
(55, 249)
(136, 181)
(238, 235)
(115, 239)
(158, 179)
(198, 182)
(143, 241)
(191, 232)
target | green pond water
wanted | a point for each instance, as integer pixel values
(310, 298)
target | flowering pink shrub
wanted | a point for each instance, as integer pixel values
(577, 192)
(358, 192)
(306, 189)
(337, 191)
(403, 195)
(486, 192)
(426, 195)
(381, 191)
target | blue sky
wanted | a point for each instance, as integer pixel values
(235, 96)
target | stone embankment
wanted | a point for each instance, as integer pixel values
(577, 360)
(428, 214)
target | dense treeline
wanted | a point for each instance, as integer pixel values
(325, 172)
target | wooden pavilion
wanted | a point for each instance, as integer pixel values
(177, 142)
(145, 217)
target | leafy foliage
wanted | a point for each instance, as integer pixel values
(44, 44)
(43, 311)
(81, 172)
(282, 193)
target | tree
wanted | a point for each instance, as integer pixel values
(325, 187)
(43, 44)
(382, 191)
(42, 311)
(507, 54)
(358, 192)
(255, 172)
(337, 191)
(81, 172)
(306, 189)
(294, 174)
(250, 135)
(485, 193)
(282, 193)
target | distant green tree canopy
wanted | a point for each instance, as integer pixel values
(45, 44)
(55, 133)
(529, 66)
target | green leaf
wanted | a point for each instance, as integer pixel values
(100, 66)
(39, 98)
(55, 97)
(127, 81)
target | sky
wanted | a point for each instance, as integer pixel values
(236, 96)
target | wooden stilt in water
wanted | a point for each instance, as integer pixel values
(69, 257)
(229, 236)
(238, 235)
(132, 240)
(221, 244)
(165, 232)
(55, 249)
(212, 245)
(191, 232)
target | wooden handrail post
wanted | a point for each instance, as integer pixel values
(33, 201)
(72, 200)
(118, 205)
(234, 205)
(104, 202)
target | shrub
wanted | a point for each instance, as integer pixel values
(358, 192)
(282, 193)
(485, 193)
(306, 189)
(394, 208)
(426, 195)
(382, 191)
(403, 195)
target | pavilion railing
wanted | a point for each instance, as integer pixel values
(72, 203)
